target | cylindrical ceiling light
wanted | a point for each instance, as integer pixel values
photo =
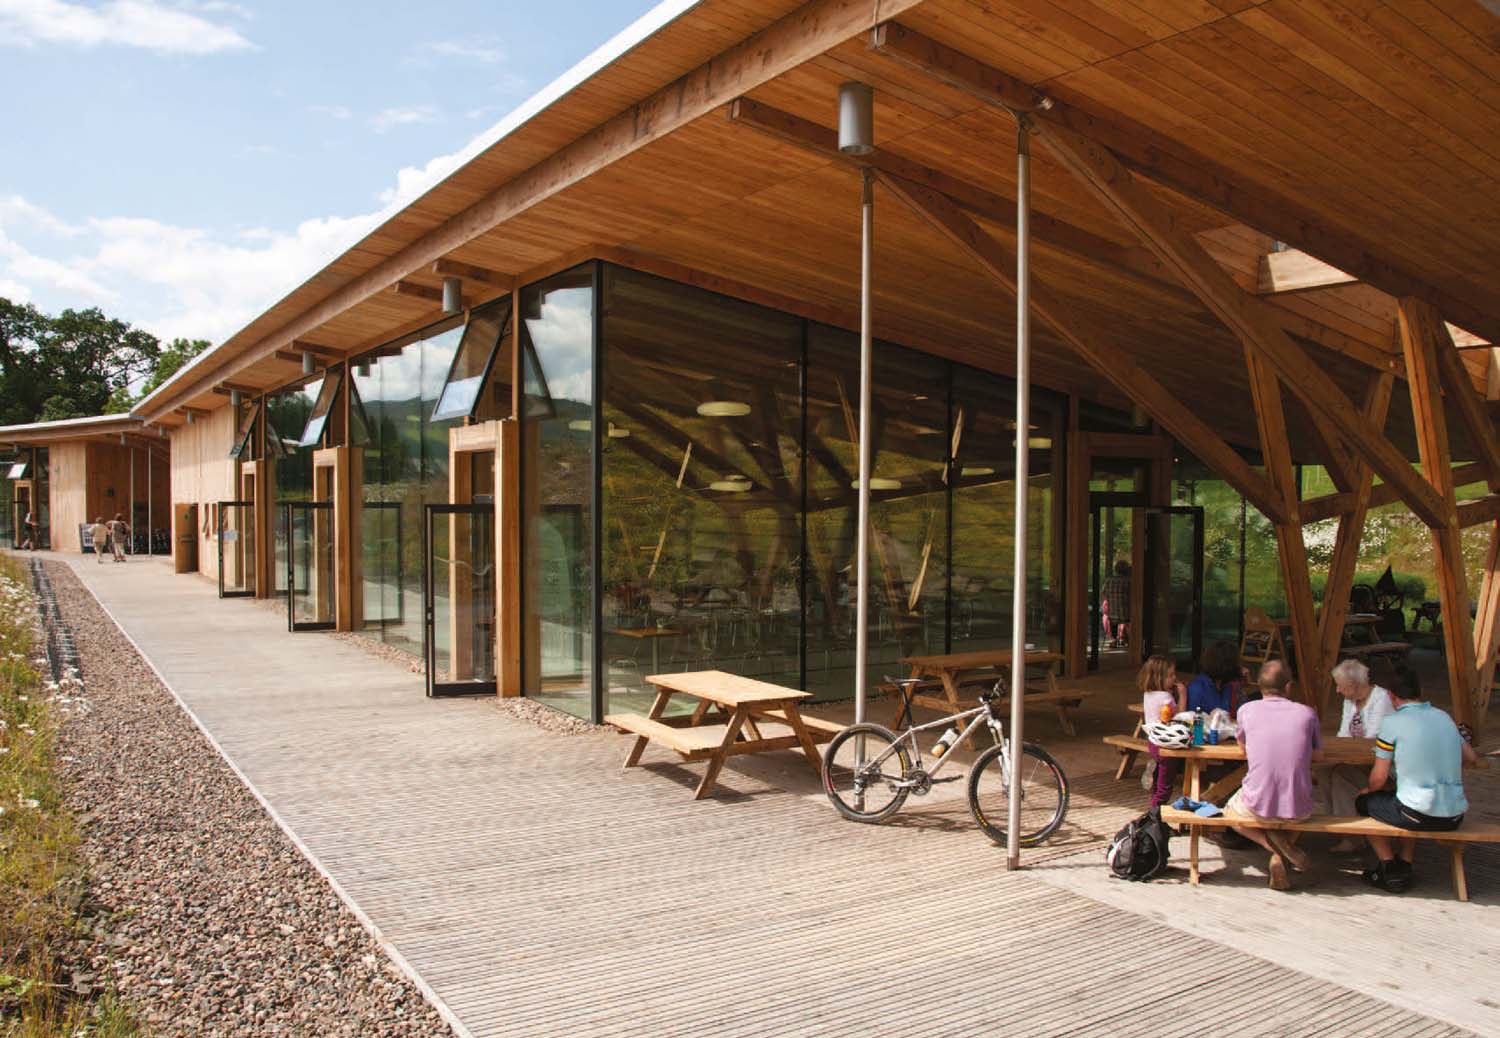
(309, 363)
(122, 439)
(234, 398)
(856, 118)
(362, 369)
(190, 418)
(453, 295)
(723, 409)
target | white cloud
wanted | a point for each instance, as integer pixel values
(484, 51)
(340, 112)
(147, 24)
(403, 115)
(411, 181)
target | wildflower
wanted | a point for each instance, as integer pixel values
(29, 802)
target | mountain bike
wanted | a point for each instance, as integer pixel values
(869, 771)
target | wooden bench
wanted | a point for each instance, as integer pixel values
(1365, 653)
(1338, 825)
(1064, 699)
(1129, 746)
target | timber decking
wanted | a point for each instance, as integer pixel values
(537, 889)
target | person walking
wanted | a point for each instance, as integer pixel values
(99, 534)
(28, 527)
(118, 531)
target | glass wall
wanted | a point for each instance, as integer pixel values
(286, 417)
(558, 439)
(402, 462)
(726, 488)
(701, 486)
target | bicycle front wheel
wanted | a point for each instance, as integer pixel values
(863, 771)
(1044, 793)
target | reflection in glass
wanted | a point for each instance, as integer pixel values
(908, 508)
(317, 419)
(473, 361)
(461, 569)
(701, 483)
(557, 333)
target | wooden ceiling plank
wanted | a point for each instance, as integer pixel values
(1132, 380)
(1240, 311)
(1197, 177)
(1295, 271)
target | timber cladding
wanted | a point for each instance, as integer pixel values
(202, 474)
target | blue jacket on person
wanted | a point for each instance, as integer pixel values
(1203, 693)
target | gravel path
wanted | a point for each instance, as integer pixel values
(219, 926)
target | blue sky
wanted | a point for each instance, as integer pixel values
(181, 163)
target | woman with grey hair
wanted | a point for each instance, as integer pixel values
(1365, 706)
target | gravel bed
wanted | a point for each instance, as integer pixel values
(216, 924)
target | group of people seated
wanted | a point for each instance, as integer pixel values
(1415, 778)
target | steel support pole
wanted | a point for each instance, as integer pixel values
(862, 539)
(150, 519)
(1023, 459)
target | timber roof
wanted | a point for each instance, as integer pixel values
(1362, 134)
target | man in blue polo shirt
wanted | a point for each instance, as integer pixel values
(1428, 753)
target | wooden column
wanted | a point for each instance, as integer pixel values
(1312, 661)
(508, 556)
(1423, 338)
(1351, 528)
(335, 461)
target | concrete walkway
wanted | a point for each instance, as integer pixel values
(534, 888)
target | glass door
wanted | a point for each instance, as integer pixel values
(1111, 554)
(383, 573)
(1173, 620)
(458, 599)
(236, 530)
(311, 591)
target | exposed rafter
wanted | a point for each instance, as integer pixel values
(1090, 343)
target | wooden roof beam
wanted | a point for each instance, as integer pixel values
(1092, 344)
(1194, 175)
(412, 290)
(1458, 389)
(1330, 506)
(797, 37)
(322, 352)
(446, 268)
(1244, 313)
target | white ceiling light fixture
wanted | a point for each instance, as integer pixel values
(977, 470)
(723, 409)
(618, 432)
(856, 118)
(453, 295)
(581, 425)
(879, 483)
(731, 486)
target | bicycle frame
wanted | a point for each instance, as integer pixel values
(977, 717)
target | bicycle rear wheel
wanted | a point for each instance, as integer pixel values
(862, 769)
(1044, 794)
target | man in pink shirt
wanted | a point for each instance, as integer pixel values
(1281, 740)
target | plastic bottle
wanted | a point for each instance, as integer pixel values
(946, 742)
(1166, 713)
(1198, 728)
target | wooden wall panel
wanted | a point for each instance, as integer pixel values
(202, 473)
(67, 478)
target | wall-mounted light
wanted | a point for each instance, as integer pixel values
(453, 295)
(309, 363)
(856, 118)
(723, 409)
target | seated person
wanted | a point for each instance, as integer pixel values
(1281, 740)
(1428, 753)
(1366, 705)
(1158, 685)
(1218, 684)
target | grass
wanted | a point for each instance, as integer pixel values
(42, 879)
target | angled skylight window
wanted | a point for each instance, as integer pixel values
(17, 471)
(246, 430)
(471, 366)
(317, 421)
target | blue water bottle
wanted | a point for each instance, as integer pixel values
(1198, 728)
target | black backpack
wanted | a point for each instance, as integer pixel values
(1139, 851)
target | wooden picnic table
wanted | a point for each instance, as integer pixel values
(744, 703)
(653, 634)
(956, 669)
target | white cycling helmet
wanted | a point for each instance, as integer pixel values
(1172, 736)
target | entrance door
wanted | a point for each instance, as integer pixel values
(1173, 620)
(311, 592)
(1112, 591)
(458, 599)
(236, 549)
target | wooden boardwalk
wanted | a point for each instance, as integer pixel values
(535, 888)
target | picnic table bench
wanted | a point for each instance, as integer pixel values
(952, 673)
(744, 703)
(1338, 825)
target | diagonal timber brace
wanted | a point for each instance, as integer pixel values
(955, 225)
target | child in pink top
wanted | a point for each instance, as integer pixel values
(1157, 682)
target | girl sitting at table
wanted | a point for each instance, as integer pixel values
(1157, 682)
(1220, 681)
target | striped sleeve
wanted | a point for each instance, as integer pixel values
(1385, 739)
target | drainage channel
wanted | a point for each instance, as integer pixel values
(62, 654)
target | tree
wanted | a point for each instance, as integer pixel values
(71, 365)
(173, 358)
